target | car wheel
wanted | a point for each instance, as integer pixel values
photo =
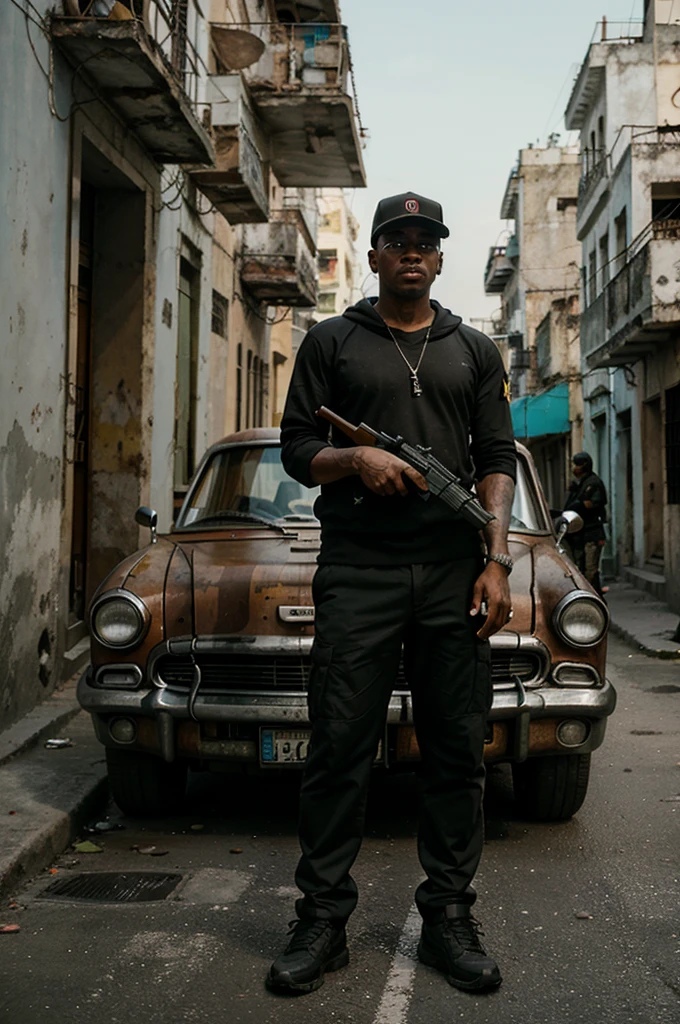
(551, 788)
(142, 784)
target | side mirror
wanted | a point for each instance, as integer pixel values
(147, 517)
(567, 522)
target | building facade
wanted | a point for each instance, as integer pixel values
(535, 273)
(157, 224)
(626, 108)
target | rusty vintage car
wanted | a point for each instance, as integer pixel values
(201, 645)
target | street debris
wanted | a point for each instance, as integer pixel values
(104, 826)
(11, 812)
(645, 732)
(236, 849)
(9, 929)
(150, 851)
(583, 915)
(87, 846)
(58, 744)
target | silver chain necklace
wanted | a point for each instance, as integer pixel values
(416, 390)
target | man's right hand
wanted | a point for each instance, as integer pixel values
(383, 473)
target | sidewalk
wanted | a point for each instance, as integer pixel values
(642, 620)
(46, 796)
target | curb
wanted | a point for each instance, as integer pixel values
(46, 797)
(649, 652)
(44, 720)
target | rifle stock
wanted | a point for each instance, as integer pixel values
(360, 434)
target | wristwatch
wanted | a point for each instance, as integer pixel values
(506, 561)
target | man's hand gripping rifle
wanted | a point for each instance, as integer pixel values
(440, 481)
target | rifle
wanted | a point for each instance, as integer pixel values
(441, 482)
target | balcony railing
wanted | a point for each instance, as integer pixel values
(591, 179)
(238, 184)
(498, 271)
(668, 229)
(149, 68)
(277, 266)
(302, 87)
(630, 31)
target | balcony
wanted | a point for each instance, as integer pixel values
(499, 270)
(149, 71)
(638, 309)
(278, 264)
(299, 86)
(238, 184)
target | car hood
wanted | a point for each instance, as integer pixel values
(237, 582)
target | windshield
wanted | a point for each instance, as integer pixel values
(526, 512)
(250, 483)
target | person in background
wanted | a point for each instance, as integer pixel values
(587, 495)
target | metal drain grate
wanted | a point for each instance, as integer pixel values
(113, 887)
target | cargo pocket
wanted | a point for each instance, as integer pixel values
(320, 658)
(482, 698)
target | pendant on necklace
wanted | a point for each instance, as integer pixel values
(416, 389)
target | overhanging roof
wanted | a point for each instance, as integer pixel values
(541, 415)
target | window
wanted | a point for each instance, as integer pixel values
(592, 277)
(328, 266)
(604, 259)
(566, 202)
(186, 375)
(673, 444)
(326, 303)
(621, 228)
(220, 315)
(249, 389)
(239, 386)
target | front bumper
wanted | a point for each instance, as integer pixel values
(523, 721)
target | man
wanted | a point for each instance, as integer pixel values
(396, 568)
(587, 495)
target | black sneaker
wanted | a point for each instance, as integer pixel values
(452, 946)
(316, 947)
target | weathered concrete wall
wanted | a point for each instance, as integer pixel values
(33, 218)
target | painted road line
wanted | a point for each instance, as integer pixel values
(398, 989)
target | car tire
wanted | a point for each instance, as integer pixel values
(551, 788)
(143, 785)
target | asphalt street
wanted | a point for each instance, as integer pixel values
(582, 916)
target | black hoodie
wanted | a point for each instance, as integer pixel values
(350, 364)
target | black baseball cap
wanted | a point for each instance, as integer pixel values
(408, 210)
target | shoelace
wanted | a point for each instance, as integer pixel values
(305, 933)
(466, 932)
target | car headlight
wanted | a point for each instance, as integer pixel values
(119, 619)
(581, 619)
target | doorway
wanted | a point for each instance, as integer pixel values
(106, 368)
(652, 475)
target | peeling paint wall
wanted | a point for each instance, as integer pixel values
(33, 213)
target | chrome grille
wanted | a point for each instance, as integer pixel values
(265, 672)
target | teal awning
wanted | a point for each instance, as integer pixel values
(537, 415)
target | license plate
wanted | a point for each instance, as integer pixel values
(290, 746)
(284, 746)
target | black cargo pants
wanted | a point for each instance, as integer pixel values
(363, 614)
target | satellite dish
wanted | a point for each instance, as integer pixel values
(236, 48)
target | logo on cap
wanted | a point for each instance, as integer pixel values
(412, 205)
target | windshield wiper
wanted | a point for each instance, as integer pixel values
(251, 517)
(299, 518)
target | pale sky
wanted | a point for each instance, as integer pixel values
(450, 92)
